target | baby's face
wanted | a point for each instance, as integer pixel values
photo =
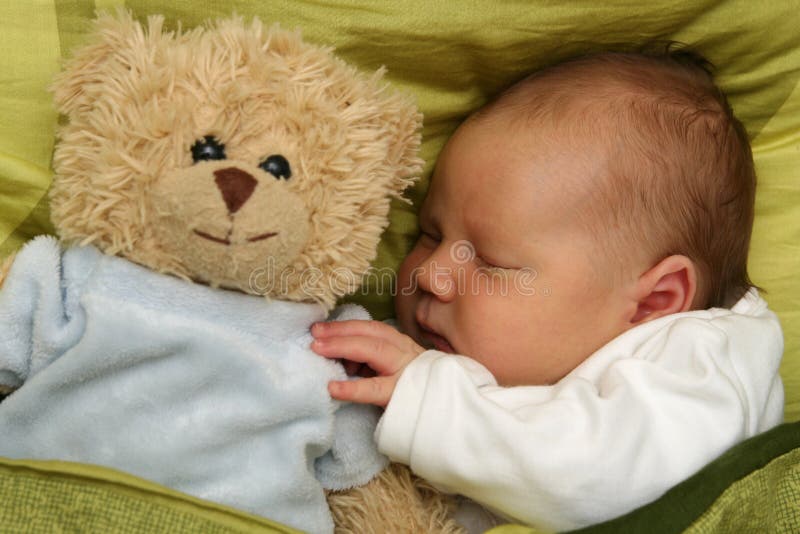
(502, 272)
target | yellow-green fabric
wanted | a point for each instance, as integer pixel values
(29, 54)
(767, 500)
(62, 497)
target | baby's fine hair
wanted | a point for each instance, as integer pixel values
(680, 177)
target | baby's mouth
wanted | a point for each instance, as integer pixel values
(435, 340)
(429, 336)
(226, 241)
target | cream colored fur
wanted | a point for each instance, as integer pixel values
(5, 266)
(139, 97)
(396, 501)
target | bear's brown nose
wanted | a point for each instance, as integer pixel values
(236, 187)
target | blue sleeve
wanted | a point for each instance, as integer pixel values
(39, 314)
(354, 458)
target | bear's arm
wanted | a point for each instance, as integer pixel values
(35, 325)
(353, 459)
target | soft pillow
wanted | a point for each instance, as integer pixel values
(455, 56)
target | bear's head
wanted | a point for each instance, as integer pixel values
(232, 155)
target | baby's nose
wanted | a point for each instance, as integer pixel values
(438, 276)
(235, 185)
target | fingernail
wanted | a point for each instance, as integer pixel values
(316, 328)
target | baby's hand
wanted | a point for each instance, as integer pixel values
(385, 350)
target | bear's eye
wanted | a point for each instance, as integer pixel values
(277, 166)
(208, 149)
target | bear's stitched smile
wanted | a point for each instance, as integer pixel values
(226, 241)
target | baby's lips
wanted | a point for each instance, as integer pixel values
(439, 342)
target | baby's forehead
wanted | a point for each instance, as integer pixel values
(490, 167)
(579, 120)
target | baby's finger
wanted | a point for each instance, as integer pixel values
(383, 357)
(377, 390)
(355, 328)
(374, 329)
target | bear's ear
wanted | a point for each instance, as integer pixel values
(86, 71)
(400, 112)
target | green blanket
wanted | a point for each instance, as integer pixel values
(61, 497)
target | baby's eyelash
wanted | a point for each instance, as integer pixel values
(429, 235)
(489, 265)
(484, 263)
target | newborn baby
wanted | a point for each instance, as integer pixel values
(579, 329)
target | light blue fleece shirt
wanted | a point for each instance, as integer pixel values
(214, 393)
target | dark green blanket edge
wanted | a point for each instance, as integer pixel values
(685, 503)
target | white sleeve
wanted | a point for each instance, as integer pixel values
(582, 451)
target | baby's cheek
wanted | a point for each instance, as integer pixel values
(481, 320)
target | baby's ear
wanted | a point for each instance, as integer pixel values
(85, 72)
(668, 287)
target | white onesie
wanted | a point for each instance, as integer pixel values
(640, 415)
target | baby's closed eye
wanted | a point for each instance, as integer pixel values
(428, 239)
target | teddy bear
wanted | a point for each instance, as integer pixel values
(216, 190)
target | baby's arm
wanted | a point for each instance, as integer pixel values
(559, 457)
(592, 447)
(611, 436)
